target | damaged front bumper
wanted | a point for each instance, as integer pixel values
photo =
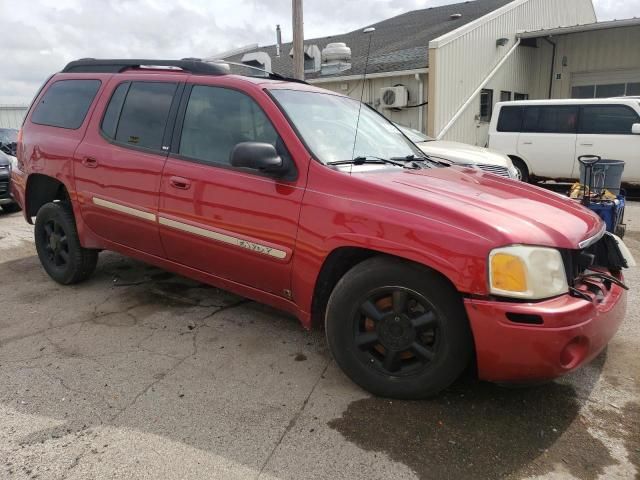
(520, 342)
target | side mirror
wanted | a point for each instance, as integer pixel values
(258, 156)
(635, 129)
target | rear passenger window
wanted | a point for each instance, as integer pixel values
(550, 119)
(217, 119)
(510, 119)
(137, 113)
(112, 114)
(607, 119)
(65, 103)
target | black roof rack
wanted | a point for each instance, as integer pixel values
(191, 65)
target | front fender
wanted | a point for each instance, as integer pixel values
(458, 257)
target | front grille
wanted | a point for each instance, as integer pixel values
(602, 255)
(4, 187)
(495, 169)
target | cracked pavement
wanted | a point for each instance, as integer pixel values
(139, 373)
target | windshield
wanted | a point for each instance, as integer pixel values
(327, 124)
(8, 135)
(415, 136)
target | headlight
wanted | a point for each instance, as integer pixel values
(531, 273)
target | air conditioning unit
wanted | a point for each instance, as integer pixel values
(394, 97)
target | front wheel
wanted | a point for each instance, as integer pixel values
(58, 245)
(523, 171)
(398, 329)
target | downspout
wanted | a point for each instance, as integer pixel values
(420, 101)
(553, 64)
(466, 104)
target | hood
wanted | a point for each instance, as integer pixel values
(502, 210)
(465, 154)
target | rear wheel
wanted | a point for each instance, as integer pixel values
(521, 167)
(58, 245)
(397, 329)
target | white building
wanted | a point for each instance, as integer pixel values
(11, 115)
(448, 66)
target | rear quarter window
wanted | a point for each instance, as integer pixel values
(607, 119)
(65, 103)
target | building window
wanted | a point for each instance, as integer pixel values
(486, 105)
(606, 91)
(587, 91)
(520, 96)
(505, 96)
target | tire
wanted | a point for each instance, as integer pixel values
(523, 171)
(11, 208)
(58, 245)
(413, 354)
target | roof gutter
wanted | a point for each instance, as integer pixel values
(345, 78)
(477, 91)
(588, 27)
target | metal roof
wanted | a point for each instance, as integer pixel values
(400, 43)
(588, 27)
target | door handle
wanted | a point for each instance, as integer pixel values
(180, 183)
(527, 143)
(586, 144)
(90, 162)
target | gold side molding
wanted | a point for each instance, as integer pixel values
(224, 238)
(117, 207)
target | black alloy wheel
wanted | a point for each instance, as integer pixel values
(56, 244)
(396, 330)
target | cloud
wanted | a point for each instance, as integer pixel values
(41, 36)
(617, 9)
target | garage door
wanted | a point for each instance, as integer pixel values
(618, 83)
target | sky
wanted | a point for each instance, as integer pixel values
(40, 36)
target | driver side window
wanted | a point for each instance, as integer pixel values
(217, 119)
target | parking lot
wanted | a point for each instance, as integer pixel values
(139, 373)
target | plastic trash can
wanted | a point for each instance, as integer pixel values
(606, 175)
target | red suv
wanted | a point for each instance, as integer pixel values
(315, 204)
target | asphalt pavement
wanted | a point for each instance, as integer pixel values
(139, 373)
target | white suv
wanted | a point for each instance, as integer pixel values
(545, 138)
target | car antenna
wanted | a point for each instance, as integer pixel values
(364, 78)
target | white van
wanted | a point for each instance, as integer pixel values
(544, 138)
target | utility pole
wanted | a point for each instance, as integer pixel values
(298, 40)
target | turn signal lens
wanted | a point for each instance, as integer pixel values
(508, 273)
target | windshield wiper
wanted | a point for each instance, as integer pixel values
(425, 158)
(375, 160)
